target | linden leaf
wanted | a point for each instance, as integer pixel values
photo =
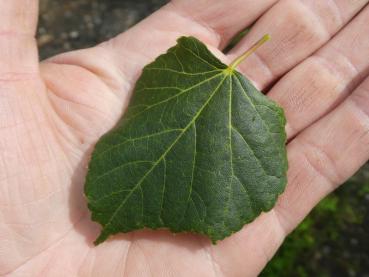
(199, 149)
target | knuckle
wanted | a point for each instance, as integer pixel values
(322, 161)
(361, 98)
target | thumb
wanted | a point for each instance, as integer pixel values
(18, 48)
(19, 65)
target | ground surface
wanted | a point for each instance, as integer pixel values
(72, 24)
(332, 241)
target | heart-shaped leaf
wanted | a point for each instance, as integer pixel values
(200, 149)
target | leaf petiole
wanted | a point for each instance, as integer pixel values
(251, 50)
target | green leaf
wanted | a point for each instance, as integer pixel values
(200, 150)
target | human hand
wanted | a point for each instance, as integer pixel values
(52, 113)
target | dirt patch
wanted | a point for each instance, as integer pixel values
(73, 24)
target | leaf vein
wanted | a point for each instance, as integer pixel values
(183, 72)
(164, 187)
(253, 105)
(120, 167)
(200, 58)
(252, 151)
(135, 139)
(174, 96)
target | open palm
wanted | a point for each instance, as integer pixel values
(52, 113)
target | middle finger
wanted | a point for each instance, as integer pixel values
(298, 28)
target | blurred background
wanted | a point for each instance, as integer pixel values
(332, 241)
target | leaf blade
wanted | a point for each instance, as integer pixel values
(176, 159)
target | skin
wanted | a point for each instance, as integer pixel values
(51, 114)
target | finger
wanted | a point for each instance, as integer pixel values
(226, 18)
(297, 28)
(19, 16)
(316, 85)
(18, 54)
(18, 64)
(213, 22)
(325, 155)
